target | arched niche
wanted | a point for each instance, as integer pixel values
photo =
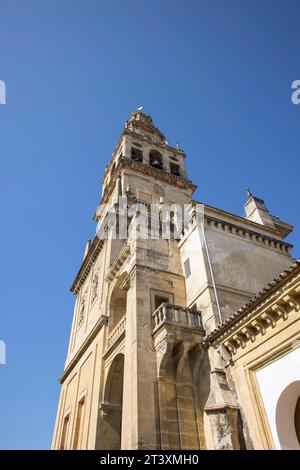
(110, 425)
(118, 303)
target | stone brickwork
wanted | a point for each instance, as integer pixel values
(140, 372)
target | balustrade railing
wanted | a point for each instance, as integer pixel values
(177, 315)
(116, 333)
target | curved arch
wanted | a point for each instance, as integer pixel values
(286, 416)
(113, 390)
(117, 303)
(111, 426)
(155, 159)
(136, 154)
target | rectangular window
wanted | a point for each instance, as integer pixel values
(64, 432)
(187, 268)
(78, 426)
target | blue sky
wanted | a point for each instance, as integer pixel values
(214, 74)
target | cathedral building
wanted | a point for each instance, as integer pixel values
(186, 326)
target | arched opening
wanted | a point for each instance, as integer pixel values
(118, 304)
(136, 155)
(155, 159)
(288, 417)
(111, 407)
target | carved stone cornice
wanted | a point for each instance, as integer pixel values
(248, 233)
(88, 340)
(106, 408)
(118, 263)
(87, 264)
(145, 140)
(273, 304)
(127, 283)
(148, 170)
(161, 175)
(246, 230)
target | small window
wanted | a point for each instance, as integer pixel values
(160, 300)
(175, 169)
(64, 433)
(78, 426)
(136, 155)
(187, 268)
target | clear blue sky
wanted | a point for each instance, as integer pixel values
(214, 74)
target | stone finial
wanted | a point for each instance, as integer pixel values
(249, 193)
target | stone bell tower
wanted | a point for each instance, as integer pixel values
(112, 394)
(137, 375)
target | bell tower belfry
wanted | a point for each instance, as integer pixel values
(148, 161)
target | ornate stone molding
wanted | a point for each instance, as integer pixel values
(87, 264)
(106, 408)
(118, 263)
(273, 305)
(143, 139)
(237, 230)
(148, 170)
(247, 233)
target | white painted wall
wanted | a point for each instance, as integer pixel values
(279, 384)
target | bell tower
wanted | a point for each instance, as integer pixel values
(110, 390)
(138, 374)
(147, 161)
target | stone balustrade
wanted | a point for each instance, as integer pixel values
(116, 333)
(176, 315)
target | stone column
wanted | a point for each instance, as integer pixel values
(140, 420)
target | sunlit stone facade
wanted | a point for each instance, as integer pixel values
(162, 355)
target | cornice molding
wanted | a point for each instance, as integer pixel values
(221, 213)
(248, 233)
(238, 230)
(148, 170)
(87, 264)
(88, 340)
(274, 302)
(118, 263)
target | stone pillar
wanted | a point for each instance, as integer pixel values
(140, 420)
(223, 411)
(189, 438)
